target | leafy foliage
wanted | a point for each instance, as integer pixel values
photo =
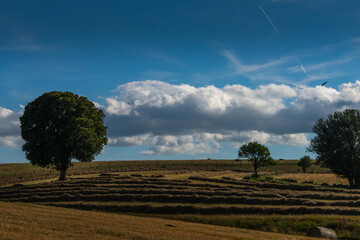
(304, 163)
(257, 154)
(337, 143)
(60, 126)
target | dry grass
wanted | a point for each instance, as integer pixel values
(316, 178)
(27, 221)
(345, 227)
(198, 193)
(12, 173)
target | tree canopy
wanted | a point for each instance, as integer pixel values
(304, 163)
(60, 126)
(337, 144)
(257, 154)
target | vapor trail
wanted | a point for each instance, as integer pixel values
(269, 20)
(301, 65)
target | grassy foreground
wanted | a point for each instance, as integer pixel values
(28, 221)
(216, 192)
(217, 198)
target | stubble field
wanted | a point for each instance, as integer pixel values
(217, 193)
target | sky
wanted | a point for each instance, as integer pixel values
(189, 79)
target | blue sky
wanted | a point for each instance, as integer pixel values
(183, 79)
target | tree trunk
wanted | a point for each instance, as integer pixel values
(63, 169)
(255, 171)
(351, 182)
(357, 182)
(304, 169)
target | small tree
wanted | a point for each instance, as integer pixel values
(257, 154)
(304, 163)
(60, 126)
(337, 144)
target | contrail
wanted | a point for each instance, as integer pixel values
(269, 20)
(301, 66)
(272, 24)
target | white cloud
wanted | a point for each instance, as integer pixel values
(336, 62)
(9, 128)
(275, 70)
(299, 139)
(347, 95)
(136, 96)
(173, 119)
(241, 68)
(349, 92)
(204, 142)
(117, 107)
(287, 68)
(146, 93)
(9, 122)
(5, 112)
(318, 94)
(167, 144)
(98, 105)
(10, 141)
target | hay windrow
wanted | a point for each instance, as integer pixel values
(293, 199)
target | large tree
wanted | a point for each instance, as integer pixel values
(257, 154)
(60, 126)
(337, 144)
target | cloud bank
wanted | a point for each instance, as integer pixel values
(183, 119)
(175, 119)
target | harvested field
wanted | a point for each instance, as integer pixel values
(34, 222)
(12, 173)
(204, 196)
(324, 178)
(190, 194)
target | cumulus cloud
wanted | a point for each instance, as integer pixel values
(146, 94)
(204, 142)
(9, 122)
(168, 144)
(162, 115)
(9, 128)
(298, 139)
(165, 109)
(173, 119)
(10, 141)
(156, 94)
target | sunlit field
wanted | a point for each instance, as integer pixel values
(20, 221)
(215, 192)
(11, 173)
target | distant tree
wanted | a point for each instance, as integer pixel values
(337, 144)
(60, 126)
(257, 154)
(304, 163)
